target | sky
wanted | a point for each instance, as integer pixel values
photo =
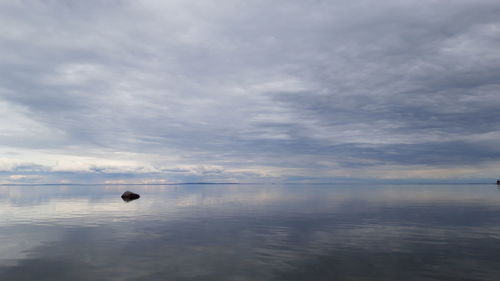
(249, 91)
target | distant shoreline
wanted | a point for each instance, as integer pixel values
(247, 183)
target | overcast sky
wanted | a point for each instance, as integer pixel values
(249, 91)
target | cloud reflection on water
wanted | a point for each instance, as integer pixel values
(254, 233)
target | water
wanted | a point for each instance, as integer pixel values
(250, 232)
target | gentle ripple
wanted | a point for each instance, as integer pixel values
(250, 232)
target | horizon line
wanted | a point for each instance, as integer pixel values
(235, 183)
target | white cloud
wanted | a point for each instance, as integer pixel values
(324, 88)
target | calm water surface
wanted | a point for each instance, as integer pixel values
(251, 232)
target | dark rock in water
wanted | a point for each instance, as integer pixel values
(129, 196)
(498, 182)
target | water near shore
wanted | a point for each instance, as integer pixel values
(250, 232)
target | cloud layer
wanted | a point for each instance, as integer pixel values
(174, 91)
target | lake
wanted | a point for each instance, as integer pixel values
(251, 232)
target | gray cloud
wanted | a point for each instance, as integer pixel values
(307, 89)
